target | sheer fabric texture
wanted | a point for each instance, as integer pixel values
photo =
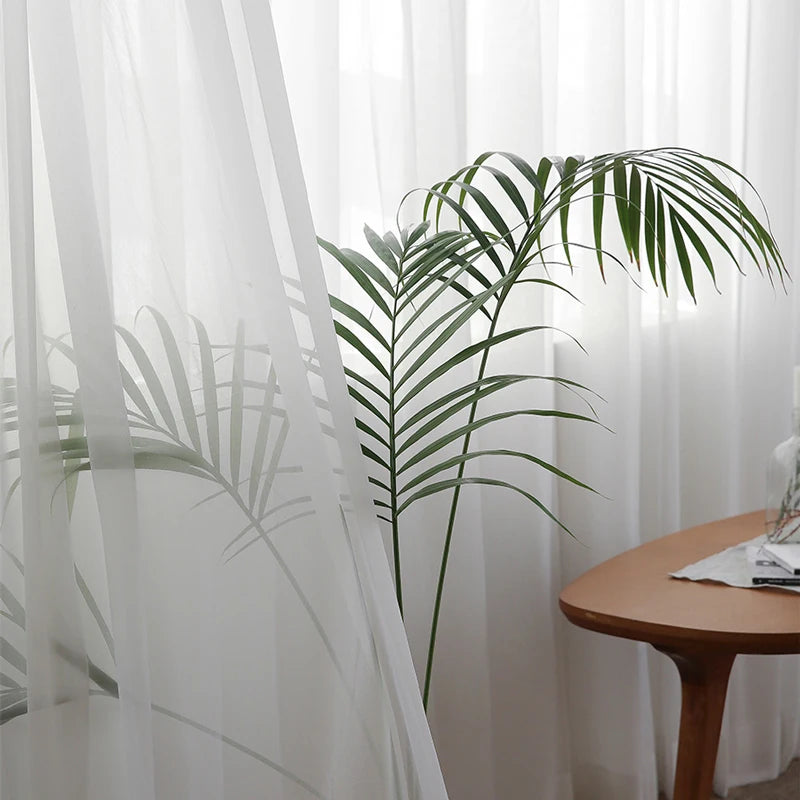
(194, 600)
(390, 96)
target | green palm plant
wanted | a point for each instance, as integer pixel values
(483, 234)
(230, 431)
(176, 428)
(166, 419)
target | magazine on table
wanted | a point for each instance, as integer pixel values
(784, 555)
(764, 569)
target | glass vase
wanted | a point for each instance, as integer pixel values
(783, 489)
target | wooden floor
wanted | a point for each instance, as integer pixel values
(786, 787)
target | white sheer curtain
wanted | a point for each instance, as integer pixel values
(194, 600)
(392, 95)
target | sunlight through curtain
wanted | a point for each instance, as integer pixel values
(395, 95)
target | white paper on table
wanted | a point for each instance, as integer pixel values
(729, 567)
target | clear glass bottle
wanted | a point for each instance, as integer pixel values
(783, 481)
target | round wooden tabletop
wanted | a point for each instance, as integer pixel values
(632, 596)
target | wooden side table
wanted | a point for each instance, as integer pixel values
(700, 626)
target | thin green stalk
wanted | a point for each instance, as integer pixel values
(398, 581)
(304, 601)
(538, 222)
(453, 510)
(110, 688)
(457, 491)
(230, 488)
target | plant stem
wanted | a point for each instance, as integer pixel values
(304, 601)
(255, 523)
(398, 579)
(532, 231)
(110, 688)
(454, 508)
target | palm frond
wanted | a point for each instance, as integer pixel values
(481, 236)
(165, 421)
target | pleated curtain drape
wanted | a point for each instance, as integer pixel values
(194, 597)
(194, 600)
(394, 95)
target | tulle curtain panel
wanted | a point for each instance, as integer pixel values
(391, 96)
(195, 600)
(196, 594)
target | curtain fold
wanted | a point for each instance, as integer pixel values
(208, 612)
(697, 395)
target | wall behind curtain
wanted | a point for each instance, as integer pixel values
(393, 95)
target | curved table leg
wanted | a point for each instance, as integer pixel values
(704, 684)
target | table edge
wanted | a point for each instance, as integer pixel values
(786, 643)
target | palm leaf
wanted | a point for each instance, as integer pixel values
(478, 348)
(367, 404)
(16, 611)
(455, 317)
(94, 610)
(566, 188)
(367, 279)
(272, 467)
(356, 342)
(442, 278)
(210, 403)
(179, 378)
(12, 488)
(150, 377)
(459, 433)
(456, 461)
(650, 228)
(359, 379)
(12, 656)
(486, 241)
(373, 456)
(500, 207)
(381, 249)
(598, 191)
(370, 431)
(498, 381)
(8, 682)
(235, 428)
(262, 436)
(76, 429)
(469, 394)
(451, 483)
(621, 202)
(163, 449)
(268, 531)
(506, 184)
(355, 316)
(391, 241)
(635, 212)
(683, 255)
(417, 233)
(436, 266)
